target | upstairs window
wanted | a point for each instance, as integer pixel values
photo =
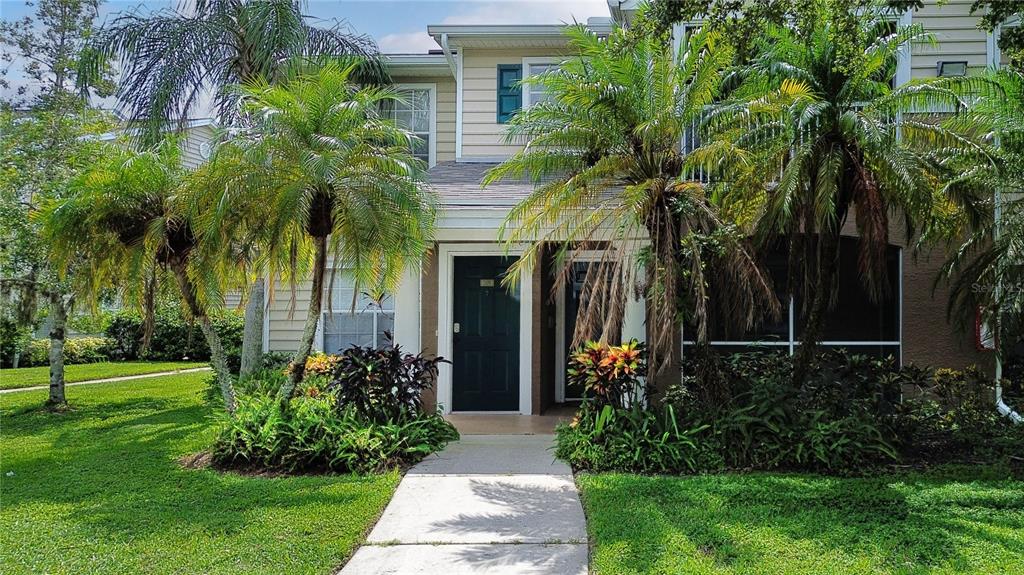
(414, 112)
(535, 93)
(510, 94)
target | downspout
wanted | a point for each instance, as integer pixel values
(1001, 406)
(448, 53)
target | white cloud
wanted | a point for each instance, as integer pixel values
(407, 42)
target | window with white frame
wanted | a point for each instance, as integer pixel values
(858, 323)
(1003, 57)
(414, 112)
(364, 324)
(535, 93)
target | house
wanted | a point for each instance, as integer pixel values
(509, 348)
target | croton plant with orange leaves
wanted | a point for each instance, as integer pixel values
(609, 374)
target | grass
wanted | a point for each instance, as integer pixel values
(33, 376)
(965, 521)
(99, 490)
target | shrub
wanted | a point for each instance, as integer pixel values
(849, 416)
(76, 350)
(357, 411)
(175, 337)
(607, 438)
(380, 384)
(610, 375)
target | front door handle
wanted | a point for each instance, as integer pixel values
(456, 328)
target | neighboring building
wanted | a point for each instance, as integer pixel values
(508, 349)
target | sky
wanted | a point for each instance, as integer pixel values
(398, 26)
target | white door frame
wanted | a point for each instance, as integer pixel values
(446, 255)
(561, 353)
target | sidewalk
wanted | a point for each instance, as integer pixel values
(486, 504)
(110, 379)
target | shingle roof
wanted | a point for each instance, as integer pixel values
(458, 185)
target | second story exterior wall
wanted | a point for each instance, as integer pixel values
(483, 137)
(957, 37)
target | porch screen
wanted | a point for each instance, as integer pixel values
(857, 323)
(364, 325)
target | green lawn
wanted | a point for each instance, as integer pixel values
(98, 490)
(32, 376)
(961, 521)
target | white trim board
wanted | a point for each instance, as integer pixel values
(445, 302)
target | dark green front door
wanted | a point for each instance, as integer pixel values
(485, 362)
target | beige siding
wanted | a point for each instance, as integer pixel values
(285, 331)
(957, 37)
(481, 133)
(194, 138)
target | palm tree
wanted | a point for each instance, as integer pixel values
(987, 269)
(848, 145)
(604, 152)
(319, 170)
(170, 58)
(124, 218)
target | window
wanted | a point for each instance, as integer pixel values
(857, 323)
(1010, 28)
(344, 326)
(510, 95)
(533, 93)
(415, 113)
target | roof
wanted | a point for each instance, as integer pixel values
(459, 186)
(509, 35)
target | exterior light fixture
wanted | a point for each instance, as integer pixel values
(948, 69)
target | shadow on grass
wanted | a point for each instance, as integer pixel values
(110, 467)
(800, 523)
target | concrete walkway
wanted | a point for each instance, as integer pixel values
(496, 504)
(110, 379)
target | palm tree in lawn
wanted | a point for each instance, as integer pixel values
(849, 146)
(124, 218)
(603, 150)
(170, 58)
(319, 170)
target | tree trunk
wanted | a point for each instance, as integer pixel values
(828, 245)
(218, 359)
(298, 366)
(58, 327)
(252, 336)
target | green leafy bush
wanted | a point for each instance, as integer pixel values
(357, 411)
(608, 438)
(312, 434)
(849, 416)
(174, 336)
(76, 350)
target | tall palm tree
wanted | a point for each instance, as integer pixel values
(987, 269)
(169, 59)
(318, 169)
(604, 152)
(125, 219)
(849, 146)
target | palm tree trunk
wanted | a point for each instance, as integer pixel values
(252, 336)
(298, 366)
(828, 246)
(218, 359)
(58, 328)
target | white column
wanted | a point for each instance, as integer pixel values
(407, 311)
